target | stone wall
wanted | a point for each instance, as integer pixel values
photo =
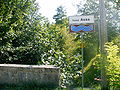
(40, 75)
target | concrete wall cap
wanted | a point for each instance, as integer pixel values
(27, 66)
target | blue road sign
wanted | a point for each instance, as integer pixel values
(81, 28)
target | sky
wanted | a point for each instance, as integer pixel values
(48, 7)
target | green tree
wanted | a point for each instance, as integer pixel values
(113, 65)
(118, 4)
(59, 50)
(61, 14)
(19, 24)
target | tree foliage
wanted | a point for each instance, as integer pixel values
(19, 23)
(113, 65)
(61, 14)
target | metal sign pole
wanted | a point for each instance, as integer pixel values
(81, 24)
(82, 62)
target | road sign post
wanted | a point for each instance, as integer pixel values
(82, 50)
(82, 24)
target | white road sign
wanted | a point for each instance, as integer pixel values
(81, 19)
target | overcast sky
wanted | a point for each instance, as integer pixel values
(48, 7)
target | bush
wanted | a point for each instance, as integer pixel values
(113, 65)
